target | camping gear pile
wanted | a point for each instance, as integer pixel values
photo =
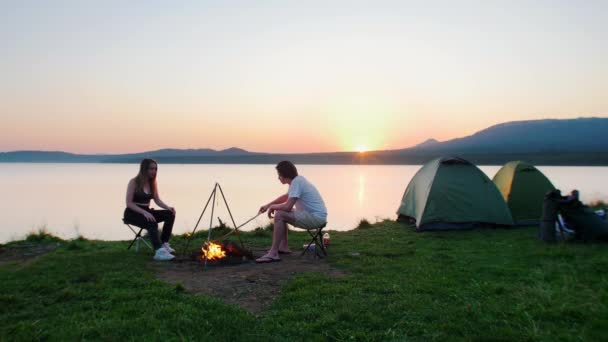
(566, 218)
(450, 193)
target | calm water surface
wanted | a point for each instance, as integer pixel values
(88, 199)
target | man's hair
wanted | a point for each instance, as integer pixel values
(286, 169)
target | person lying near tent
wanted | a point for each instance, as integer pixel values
(302, 206)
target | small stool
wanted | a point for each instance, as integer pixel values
(138, 237)
(317, 239)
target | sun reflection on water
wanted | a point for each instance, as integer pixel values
(361, 193)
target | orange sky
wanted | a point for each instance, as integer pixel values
(110, 77)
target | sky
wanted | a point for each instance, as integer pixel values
(291, 76)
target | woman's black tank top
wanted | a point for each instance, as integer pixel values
(142, 197)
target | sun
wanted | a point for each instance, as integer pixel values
(361, 123)
(361, 149)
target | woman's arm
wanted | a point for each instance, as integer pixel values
(162, 204)
(131, 205)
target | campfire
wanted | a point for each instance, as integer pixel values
(212, 251)
(224, 253)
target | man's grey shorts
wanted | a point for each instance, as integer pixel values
(307, 220)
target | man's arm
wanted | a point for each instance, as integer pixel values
(278, 200)
(285, 206)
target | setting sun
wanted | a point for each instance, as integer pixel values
(362, 123)
(361, 149)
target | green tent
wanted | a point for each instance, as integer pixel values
(523, 187)
(452, 193)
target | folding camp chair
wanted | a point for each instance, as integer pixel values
(138, 237)
(317, 239)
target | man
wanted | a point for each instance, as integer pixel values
(302, 206)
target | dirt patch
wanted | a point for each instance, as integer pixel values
(249, 285)
(24, 254)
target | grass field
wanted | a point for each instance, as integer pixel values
(401, 285)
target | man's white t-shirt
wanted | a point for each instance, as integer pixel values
(308, 197)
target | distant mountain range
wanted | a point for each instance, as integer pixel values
(576, 135)
(582, 141)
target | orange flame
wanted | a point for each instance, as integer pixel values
(213, 251)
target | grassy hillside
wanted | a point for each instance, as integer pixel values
(472, 285)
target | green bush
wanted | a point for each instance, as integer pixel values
(42, 235)
(363, 224)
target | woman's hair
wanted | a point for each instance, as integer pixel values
(142, 176)
(286, 169)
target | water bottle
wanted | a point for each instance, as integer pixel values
(326, 239)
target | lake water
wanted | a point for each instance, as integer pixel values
(88, 199)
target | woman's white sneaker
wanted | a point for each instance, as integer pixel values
(167, 246)
(163, 255)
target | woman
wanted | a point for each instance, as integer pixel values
(140, 191)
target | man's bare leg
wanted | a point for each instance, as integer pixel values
(279, 236)
(286, 217)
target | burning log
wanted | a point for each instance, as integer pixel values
(226, 252)
(236, 250)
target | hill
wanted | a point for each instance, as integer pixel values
(572, 135)
(581, 141)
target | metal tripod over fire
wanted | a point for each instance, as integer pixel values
(212, 199)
